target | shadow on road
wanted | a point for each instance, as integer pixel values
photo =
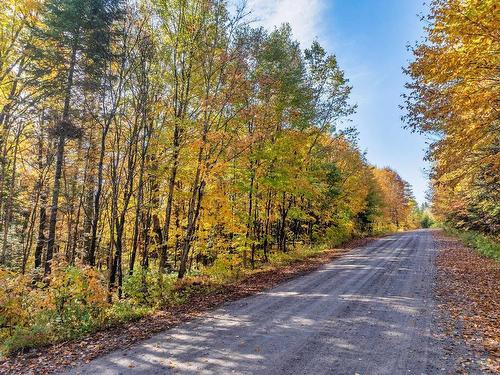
(370, 312)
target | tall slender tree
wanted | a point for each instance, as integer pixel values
(69, 48)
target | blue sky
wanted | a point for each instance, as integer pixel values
(369, 38)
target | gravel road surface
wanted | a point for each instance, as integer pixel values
(370, 312)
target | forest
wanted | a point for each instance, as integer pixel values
(153, 148)
(453, 96)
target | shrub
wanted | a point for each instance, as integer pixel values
(70, 303)
(340, 233)
(426, 221)
(18, 301)
(77, 297)
(124, 311)
(226, 268)
(149, 288)
(298, 253)
(485, 245)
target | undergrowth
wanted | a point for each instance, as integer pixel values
(485, 245)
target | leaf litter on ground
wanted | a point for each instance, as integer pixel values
(468, 289)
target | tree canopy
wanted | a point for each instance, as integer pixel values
(453, 96)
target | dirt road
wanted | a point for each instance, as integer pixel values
(369, 312)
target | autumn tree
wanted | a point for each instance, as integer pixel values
(16, 18)
(453, 96)
(152, 140)
(70, 46)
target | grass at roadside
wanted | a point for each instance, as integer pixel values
(485, 245)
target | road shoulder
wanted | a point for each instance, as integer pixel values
(468, 294)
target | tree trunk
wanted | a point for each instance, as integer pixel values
(42, 222)
(59, 162)
(249, 222)
(146, 240)
(27, 236)
(8, 205)
(55, 203)
(170, 199)
(115, 276)
(138, 214)
(94, 222)
(267, 226)
(193, 213)
(4, 131)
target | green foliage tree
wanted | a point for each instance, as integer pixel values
(452, 95)
(69, 46)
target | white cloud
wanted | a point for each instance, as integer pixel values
(304, 16)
